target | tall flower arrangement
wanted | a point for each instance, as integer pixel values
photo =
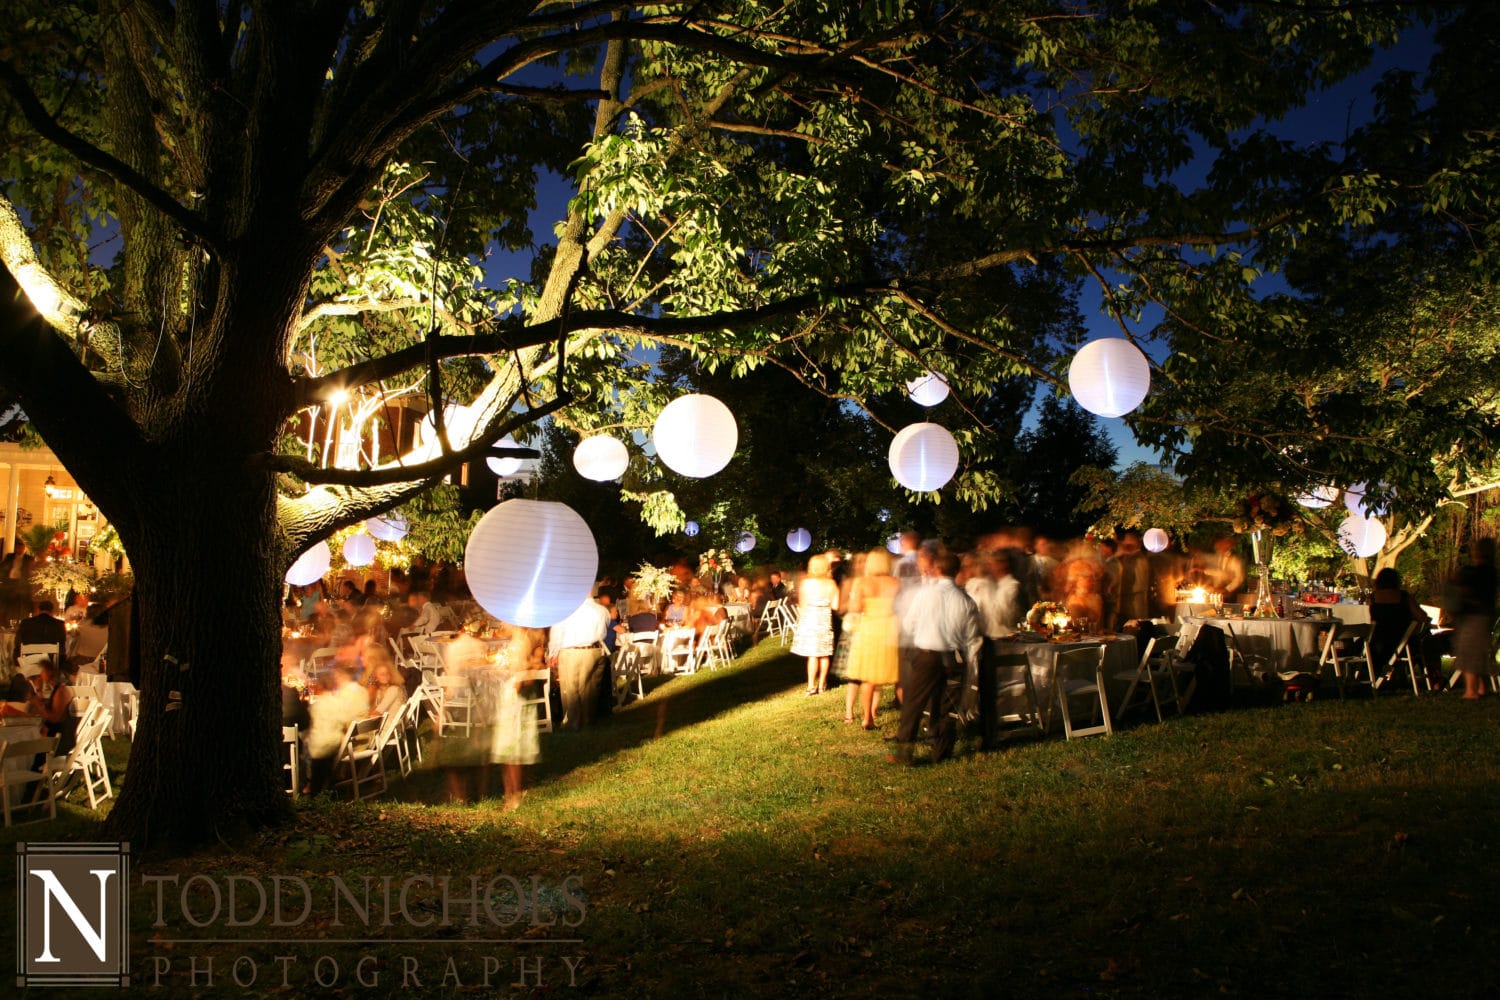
(714, 563)
(652, 583)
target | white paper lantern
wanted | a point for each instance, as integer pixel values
(695, 435)
(387, 527)
(359, 550)
(928, 390)
(1320, 497)
(690, 529)
(1109, 376)
(923, 457)
(601, 458)
(1363, 536)
(310, 566)
(1360, 505)
(531, 562)
(459, 422)
(798, 539)
(1155, 540)
(893, 544)
(745, 542)
(503, 467)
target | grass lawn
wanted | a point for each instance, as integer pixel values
(728, 836)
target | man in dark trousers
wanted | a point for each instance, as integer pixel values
(944, 624)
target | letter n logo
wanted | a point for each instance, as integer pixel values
(72, 920)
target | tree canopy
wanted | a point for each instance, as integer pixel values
(232, 219)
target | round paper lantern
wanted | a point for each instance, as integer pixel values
(798, 539)
(601, 458)
(695, 435)
(387, 527)
(503, 467)
(1363, 536)
(1358, 504)
(1155, 540)
(1320, 497)
(459, 422)
(745, 542)
(1109, 376)
(359, 550)
(690, 529)
(531, 562)
(310, 566)
(923, 457)
(929, 390)
(893, 544)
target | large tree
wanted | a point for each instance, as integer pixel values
(229, 216)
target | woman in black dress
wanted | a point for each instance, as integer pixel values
(1392, 610)
(1476, 618)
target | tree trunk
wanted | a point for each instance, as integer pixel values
(206, 758)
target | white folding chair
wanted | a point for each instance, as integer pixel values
(713, 647)
(543, 700)
(426, 654)
(390, 737)
(361, 758)
(770, 619)
(291, 739)
(1014, 679)
(1078, 673)
(411, 722)
(458, 704)
(678, 652)
(1337, 656)
(32, 655)
(1402, 651)
(130, 704)
(647, 647)
(85, 764)
(1155, 667)
(18, 771)
(626, 670)
(739, 622)
(790, 615)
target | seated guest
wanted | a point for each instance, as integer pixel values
(677, 611)
(293, 687)
(54, 703)
(431, 616)
(331, 714)
(707, 610)
(1391, 611)
(78, 608)
(642, 621)
(386, 685)
(779, 589)
(40, 628)
(738, 592)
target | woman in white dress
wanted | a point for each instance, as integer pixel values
(817, 599)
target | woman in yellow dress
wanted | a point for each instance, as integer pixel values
(874, 656)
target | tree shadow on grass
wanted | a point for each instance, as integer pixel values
(671, 703)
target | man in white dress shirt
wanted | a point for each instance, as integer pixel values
(997, 594)
(431, 617)
(575, 646)
(944, 626)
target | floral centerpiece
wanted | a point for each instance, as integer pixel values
(1047, 617)
(59, 577)
(652, 584)
(1267, 512)
(714, 563)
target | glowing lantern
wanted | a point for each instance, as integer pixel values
(1109, 376)
(929, 390)
(459, 422)
(530, 562)
(387, 527)
(310, 566)
(1358, 504)
(923, 457)
(601, 458)
(690, 529)
(503, 467)
(745, 542)
(695, 435)
(1155, 540)
(1363, 536)
(359, 550)
(1320, 497)
(798, 539)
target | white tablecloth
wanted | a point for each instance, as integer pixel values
(16, 729)
(1119, 656)
(1289, 643)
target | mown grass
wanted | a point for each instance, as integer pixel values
(735, 838)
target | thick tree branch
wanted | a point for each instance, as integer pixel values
(482, 445)
(49, 128)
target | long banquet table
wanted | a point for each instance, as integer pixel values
(1289, 643)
